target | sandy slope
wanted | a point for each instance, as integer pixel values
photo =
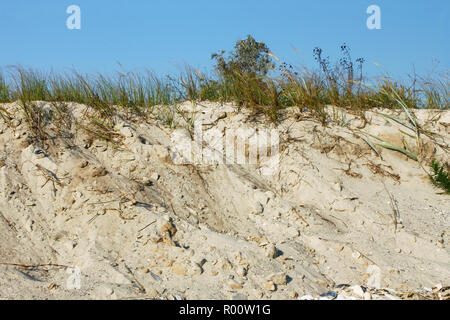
(138, 226)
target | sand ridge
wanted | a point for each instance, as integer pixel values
(132, 224)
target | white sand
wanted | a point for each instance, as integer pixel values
(210, 231)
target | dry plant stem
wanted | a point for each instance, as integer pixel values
(34, 266)
(394, 207)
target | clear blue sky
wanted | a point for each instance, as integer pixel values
(162, 34)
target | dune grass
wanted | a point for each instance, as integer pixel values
(308, 90)
(5, 92)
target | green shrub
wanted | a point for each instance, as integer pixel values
(249, 56)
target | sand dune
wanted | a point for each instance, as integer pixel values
(83, 219)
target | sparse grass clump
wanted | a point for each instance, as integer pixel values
(440, 176)
(5, 91)
(435, 93)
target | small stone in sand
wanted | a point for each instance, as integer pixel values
(234, 284)
(270, 286)
(271, 251)
(278, 278)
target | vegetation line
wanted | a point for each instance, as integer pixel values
(250, 76)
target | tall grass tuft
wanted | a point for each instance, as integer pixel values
(31, 85)
(6, 94)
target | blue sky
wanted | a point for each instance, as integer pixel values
(162, 35)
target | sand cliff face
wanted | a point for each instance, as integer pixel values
(81, 218)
